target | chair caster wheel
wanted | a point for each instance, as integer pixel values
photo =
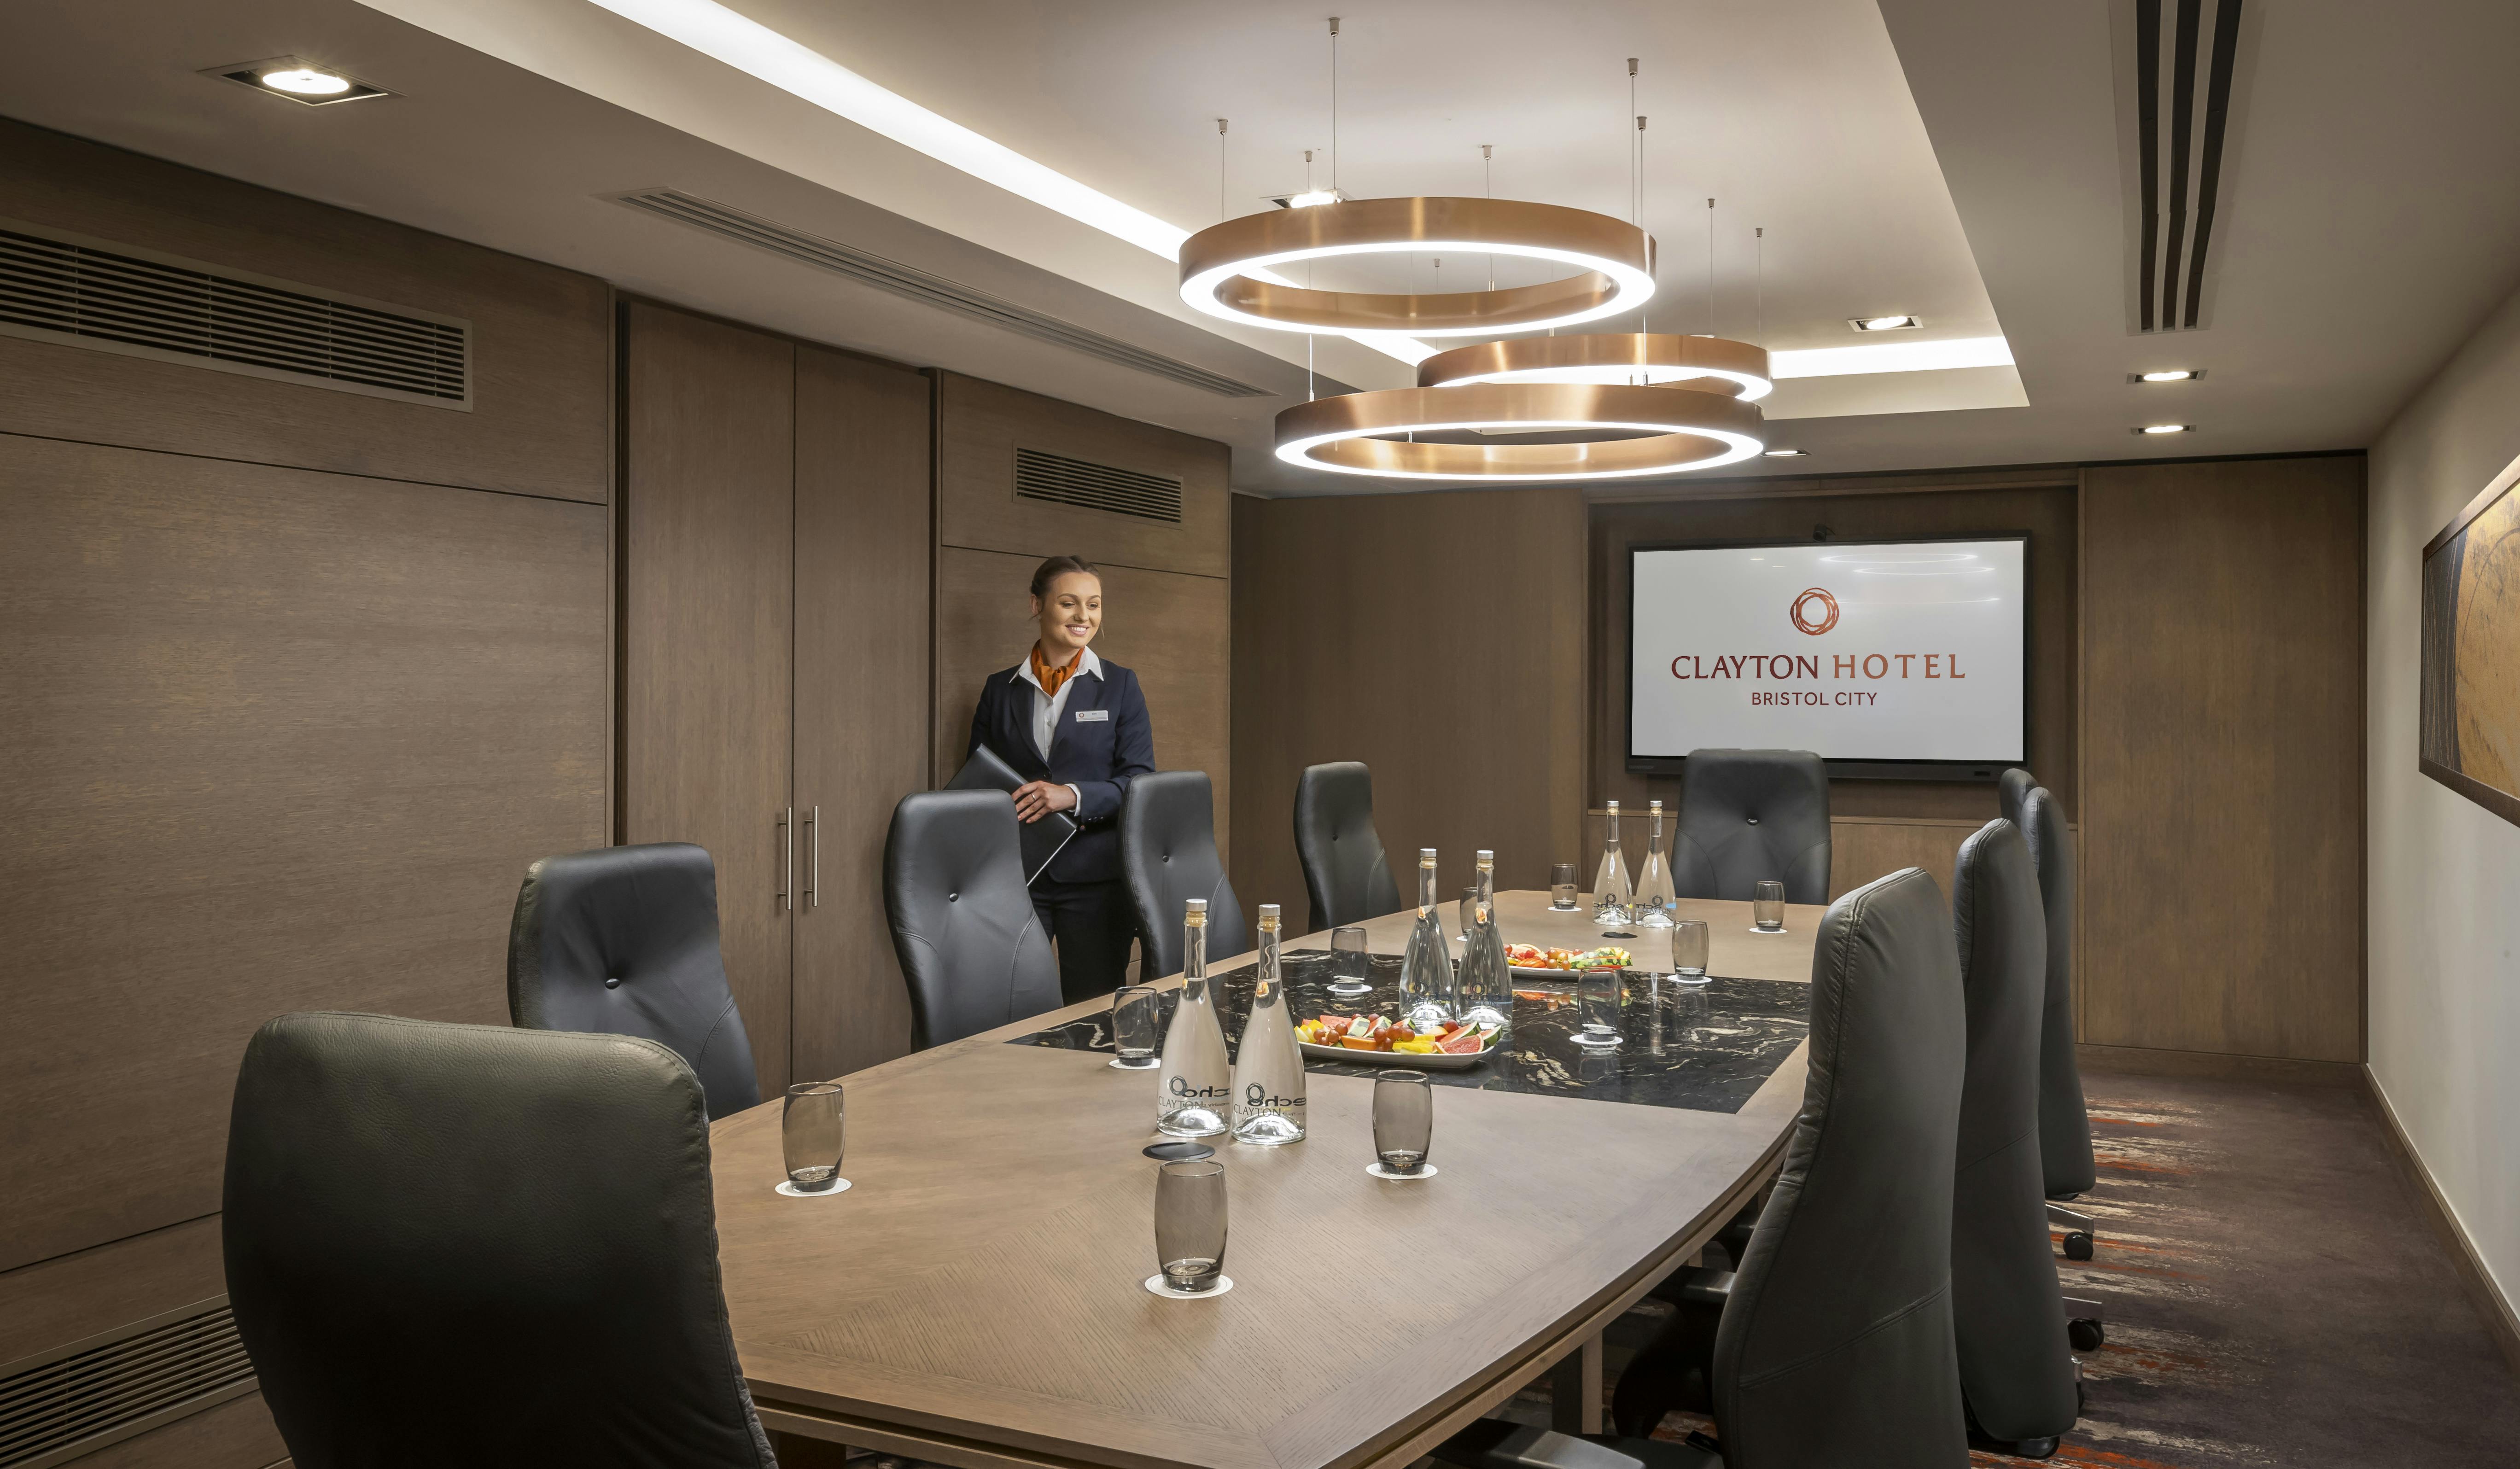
(2035, 1448)
(2078, 1246)
(2085, 1334)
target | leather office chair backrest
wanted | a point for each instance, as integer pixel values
(1752, 815)
(623, 941)
(970, 948)
(2064, 1127)
(1835, 1346)
(1168, 855)
(1345, 872)
(2016, 1371)
(465, 1244)
(2012, 791)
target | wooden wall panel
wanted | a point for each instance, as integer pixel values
(1174, 631)
(863, 527)
(981, 425)
(277, 741)
(2223, 757)
(1862, 848)
(1438, 638)
(2045, 512)
(707, 649)
(541, 418)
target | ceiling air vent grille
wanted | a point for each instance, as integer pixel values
(2178, 114)
(62, 288)
(922, 287)
(69, 1402)
(1060, 480)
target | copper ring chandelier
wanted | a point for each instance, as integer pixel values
(1633, 359)
(1677, 430)
(1223, 267)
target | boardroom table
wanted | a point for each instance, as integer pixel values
(975, 1299)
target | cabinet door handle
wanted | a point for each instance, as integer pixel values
(787, 858)
(814, 857)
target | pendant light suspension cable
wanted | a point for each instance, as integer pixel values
(1710, 267)
(1759, 286)
(1334, 148)
(1224, 183)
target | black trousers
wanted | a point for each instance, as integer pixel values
(1095, 923)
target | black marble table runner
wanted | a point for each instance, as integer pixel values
(1706, 1048)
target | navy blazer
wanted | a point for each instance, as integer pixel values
(1100, 757)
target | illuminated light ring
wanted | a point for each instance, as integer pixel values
(1689, 430)
(1804, 624)
(1615, 359)
(1613, 264)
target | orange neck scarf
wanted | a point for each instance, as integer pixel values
(1052, 678)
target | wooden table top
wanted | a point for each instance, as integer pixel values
(974, 1298)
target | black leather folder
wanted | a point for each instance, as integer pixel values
(1042, 839)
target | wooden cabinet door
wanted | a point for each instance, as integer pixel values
(862, 697)
(707, 538)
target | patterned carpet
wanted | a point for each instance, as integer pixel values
(2273, 1296)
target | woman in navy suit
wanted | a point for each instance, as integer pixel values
(1075, 729)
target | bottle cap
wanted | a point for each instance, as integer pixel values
(1194, 912)
(1613, 805)
(1487, 857)
(1653, 805)
(1267, 918)
(1425, 857)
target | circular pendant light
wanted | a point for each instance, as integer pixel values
(1675, 431)
(1222, 267)
(1630, 359)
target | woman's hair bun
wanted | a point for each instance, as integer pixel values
(1058, 567)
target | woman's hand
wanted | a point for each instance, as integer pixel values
(1039, 798)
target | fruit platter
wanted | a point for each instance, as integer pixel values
(1381, 1039)
(1529, 958)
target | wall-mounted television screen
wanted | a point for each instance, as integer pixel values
(1892, 658)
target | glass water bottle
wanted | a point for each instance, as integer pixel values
(1269, 1068)
(1610, 891)
(1655, 895)
(1192, 1086)
(1487, 983)
(1427, 993)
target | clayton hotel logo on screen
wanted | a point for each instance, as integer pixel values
(1919, 654)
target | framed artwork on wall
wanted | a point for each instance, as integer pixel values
(2471, 651)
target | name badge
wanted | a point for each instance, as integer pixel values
(1093, 716)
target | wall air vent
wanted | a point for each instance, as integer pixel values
(70, 1402)
(1060, 480)
(62, 288)
(2180, 64)
(922, 287)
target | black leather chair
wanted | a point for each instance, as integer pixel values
(1752, 815)
(2012, 790)
(465, 1244)
(1168, 855)
(1835, 1341)
(2006, 1305)
(623, 941)
(1345, 872)
(963, 926)
(2064, 1124)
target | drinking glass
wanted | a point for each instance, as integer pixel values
(1403, 1125)
(1349, 963)
(1598, 993)
(1688, 951)
(1768, 906)
(1561, 887)
(810, 1131)
(1190, 1227)
(1134, 1012)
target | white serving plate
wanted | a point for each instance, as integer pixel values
(1435, 1062)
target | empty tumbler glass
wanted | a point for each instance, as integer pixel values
(1597, 996)
(810, 1131)
(1403, 1125)
(1190, 1227)
(1349, 963)
(1561, 887)
(1689, 939)
(1133, 1013)
(1768, 906)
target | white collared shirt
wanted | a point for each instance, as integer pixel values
(1047, 707)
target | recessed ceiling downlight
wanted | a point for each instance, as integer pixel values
(2168, 374)
(297, 79)
(1885, 323)
(2167, 428)
(306, 81)
(1612, 264)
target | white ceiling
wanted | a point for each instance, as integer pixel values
(1954, 158)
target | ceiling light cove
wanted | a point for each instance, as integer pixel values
(1885, 323)
(1671, 431)
(1631, 359)
(1223, 266)
(1893, 357)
